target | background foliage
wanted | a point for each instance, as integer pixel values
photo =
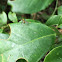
(30, 31)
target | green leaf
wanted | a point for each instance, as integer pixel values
(12, 17)
(57, 45)
(3, 19)
(27, 41)
(55, 55)
(28, 6)
(29, 20)
(56, 30)
(60, 10)
(1, 30)
(4, 36)
(54, 20)
(60, 38)
(60, 26)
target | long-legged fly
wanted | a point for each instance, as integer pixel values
(23, 20)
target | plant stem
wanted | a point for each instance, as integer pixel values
(55, 7)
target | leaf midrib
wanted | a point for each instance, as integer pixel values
(28, 42)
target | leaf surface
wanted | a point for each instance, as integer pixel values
(4, 36)
(55, 55)
(28, 6)
(54, 20)
(12, 17)
(3, 19)
(28, 41)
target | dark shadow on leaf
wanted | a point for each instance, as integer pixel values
(21, 60)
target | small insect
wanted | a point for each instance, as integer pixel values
(23, 20)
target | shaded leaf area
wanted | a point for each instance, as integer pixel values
(54, 20)
(28, 6)
(29, 41)
(3, 4)
(57, 45)
(55, 55)
(21, 60)
(56, 30)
